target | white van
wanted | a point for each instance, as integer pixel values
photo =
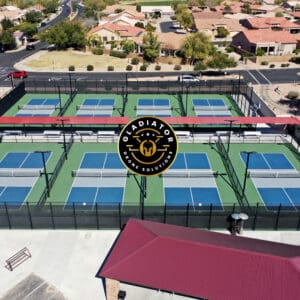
(188, 78)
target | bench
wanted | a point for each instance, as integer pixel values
(17, 259)
(252, 134)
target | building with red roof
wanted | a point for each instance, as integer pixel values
(201, 264)
(271, 41)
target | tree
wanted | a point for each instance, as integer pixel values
(33, 17)
(151, 46)
(221, 61)
(138, 7)
(139, 24)
(50, 5)
(185, 19)
(279, 14)
(65, 34)
(222, 32)
(6, 24)
(128, 46)
(149, 27)
(28, 28)
(260, 52)
(246, 9)
(197, 46)
(7, 40)
(227, 9)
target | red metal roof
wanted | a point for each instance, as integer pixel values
(171, 120)
(203, 264)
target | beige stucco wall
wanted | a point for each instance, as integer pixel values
(106, 33)
(112, 289)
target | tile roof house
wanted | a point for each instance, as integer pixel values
(207, 14)
(12, 13)
(272, 42)
(210, 26)
(235, 8)
(199, 263)
(109, 32)
(127, 10)
(120, 19)
(277, 23)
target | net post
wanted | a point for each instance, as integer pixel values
(52, 216)
(210, 215)
(233, 208)
(97, 215)
(74, 216)
(277, 217)
(187, 215)
(7, 215)
(165, 214)
(29, 215)
(255, 217)
(298, 225)
(120, 216)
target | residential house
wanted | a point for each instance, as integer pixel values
(157, 10)
(292, 5)
(109, 32)
(12, 13)
(170, 43)
(37, 8)
(232, 8)
(258, 9)
(207, 14)
(127, 10)
(277, 23)
(20, 38)
(120, 19)
(272, 42)
(210, 26)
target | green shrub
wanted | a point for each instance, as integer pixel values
(90, 68)
(295, 59)
(135, 61)
(97, 51)
(284, 65)
(293, 95)
(272, 66)
(296, 51)
(110, 68)
(116, 53)
(157, 68)
(143, 68)
(71, 68)
(129, 67)
(200, 66)
(177, 67)
(264, 63)
(229, 49)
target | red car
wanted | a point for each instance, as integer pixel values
(17, 74)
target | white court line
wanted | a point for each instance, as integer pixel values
(263, 76)
(253, 76)
(288, 197)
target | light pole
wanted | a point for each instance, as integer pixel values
(186, 99)
(229, 135)
(59, 98)
(45, 170)
(248, 153)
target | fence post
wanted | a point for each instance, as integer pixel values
(74, 216)
(233, 208)
(29, 215)
(187, 215)
(255, 217)
(120, 217)
(210, 215)
(52, 216)
(7, 215)
(97, 216)
(277, 217)
(165, 213)
(298, 225)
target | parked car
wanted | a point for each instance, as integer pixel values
(43, 24)
(188, 78)
(17, 74)
(30, 47)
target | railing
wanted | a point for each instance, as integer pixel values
(58, 216)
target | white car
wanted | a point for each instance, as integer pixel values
(188, 78)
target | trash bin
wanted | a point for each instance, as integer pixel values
(121, 295)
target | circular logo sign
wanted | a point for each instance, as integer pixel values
(147, 146)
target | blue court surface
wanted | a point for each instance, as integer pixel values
(108, 191)
(191, 161)
(39, 107)
(267, 161)
(96, 108)
(27, 160)
(198, 192)
(208, 102)
(197, 198)
(154, 107)
(288, 198)
(10, 192)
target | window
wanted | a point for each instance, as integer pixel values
(104, 39)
